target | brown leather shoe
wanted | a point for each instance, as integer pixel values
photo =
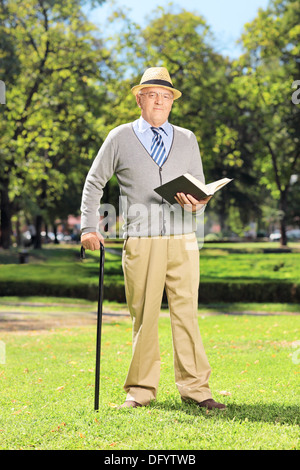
(130, 404)
(211, 404)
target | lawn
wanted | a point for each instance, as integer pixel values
(231, 272)
(47, 356)
(47, 388)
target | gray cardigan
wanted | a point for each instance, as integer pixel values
(144, 212)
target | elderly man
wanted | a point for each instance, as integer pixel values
(160, 250)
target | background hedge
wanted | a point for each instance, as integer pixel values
(227, 274)
(275, 291)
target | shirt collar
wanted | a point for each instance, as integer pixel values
(143, 126)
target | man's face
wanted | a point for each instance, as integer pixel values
(155, 105)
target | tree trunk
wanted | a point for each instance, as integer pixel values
(18, 232)
(222, 217)
(283, 209)
(38, 228)
(56, 242)
(5, 208)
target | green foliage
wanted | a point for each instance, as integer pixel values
(68, 85)
(264, 85)
(51, 122)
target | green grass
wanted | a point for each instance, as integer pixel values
(60, 263)
(249, 267)
(57, 270)
(57, 263)
(47, 389)
(35, 305)
(47, 381)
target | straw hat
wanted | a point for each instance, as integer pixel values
(156, 76)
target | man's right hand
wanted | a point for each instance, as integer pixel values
(91, 241)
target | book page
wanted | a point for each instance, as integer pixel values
(216, 185)
(196, 182)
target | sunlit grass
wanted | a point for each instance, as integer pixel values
(47, 388)
(58, 271)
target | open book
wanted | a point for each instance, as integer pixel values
(188, 184)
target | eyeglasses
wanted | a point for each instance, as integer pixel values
(152, 95)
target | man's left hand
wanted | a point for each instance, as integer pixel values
(189, 203)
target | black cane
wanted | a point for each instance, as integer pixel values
(99, 325)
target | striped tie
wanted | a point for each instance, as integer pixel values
(158, 151)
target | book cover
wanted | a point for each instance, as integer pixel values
(188, 184)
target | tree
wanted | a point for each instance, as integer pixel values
(52, 60)
(268, 69)
(208, 104)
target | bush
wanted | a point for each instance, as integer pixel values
(228, 274)
(272, 291)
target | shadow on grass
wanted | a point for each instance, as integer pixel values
(257, 412)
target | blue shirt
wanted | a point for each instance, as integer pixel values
(144, 133)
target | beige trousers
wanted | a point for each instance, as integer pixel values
(150, 265)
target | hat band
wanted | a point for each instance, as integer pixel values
(158, 82)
